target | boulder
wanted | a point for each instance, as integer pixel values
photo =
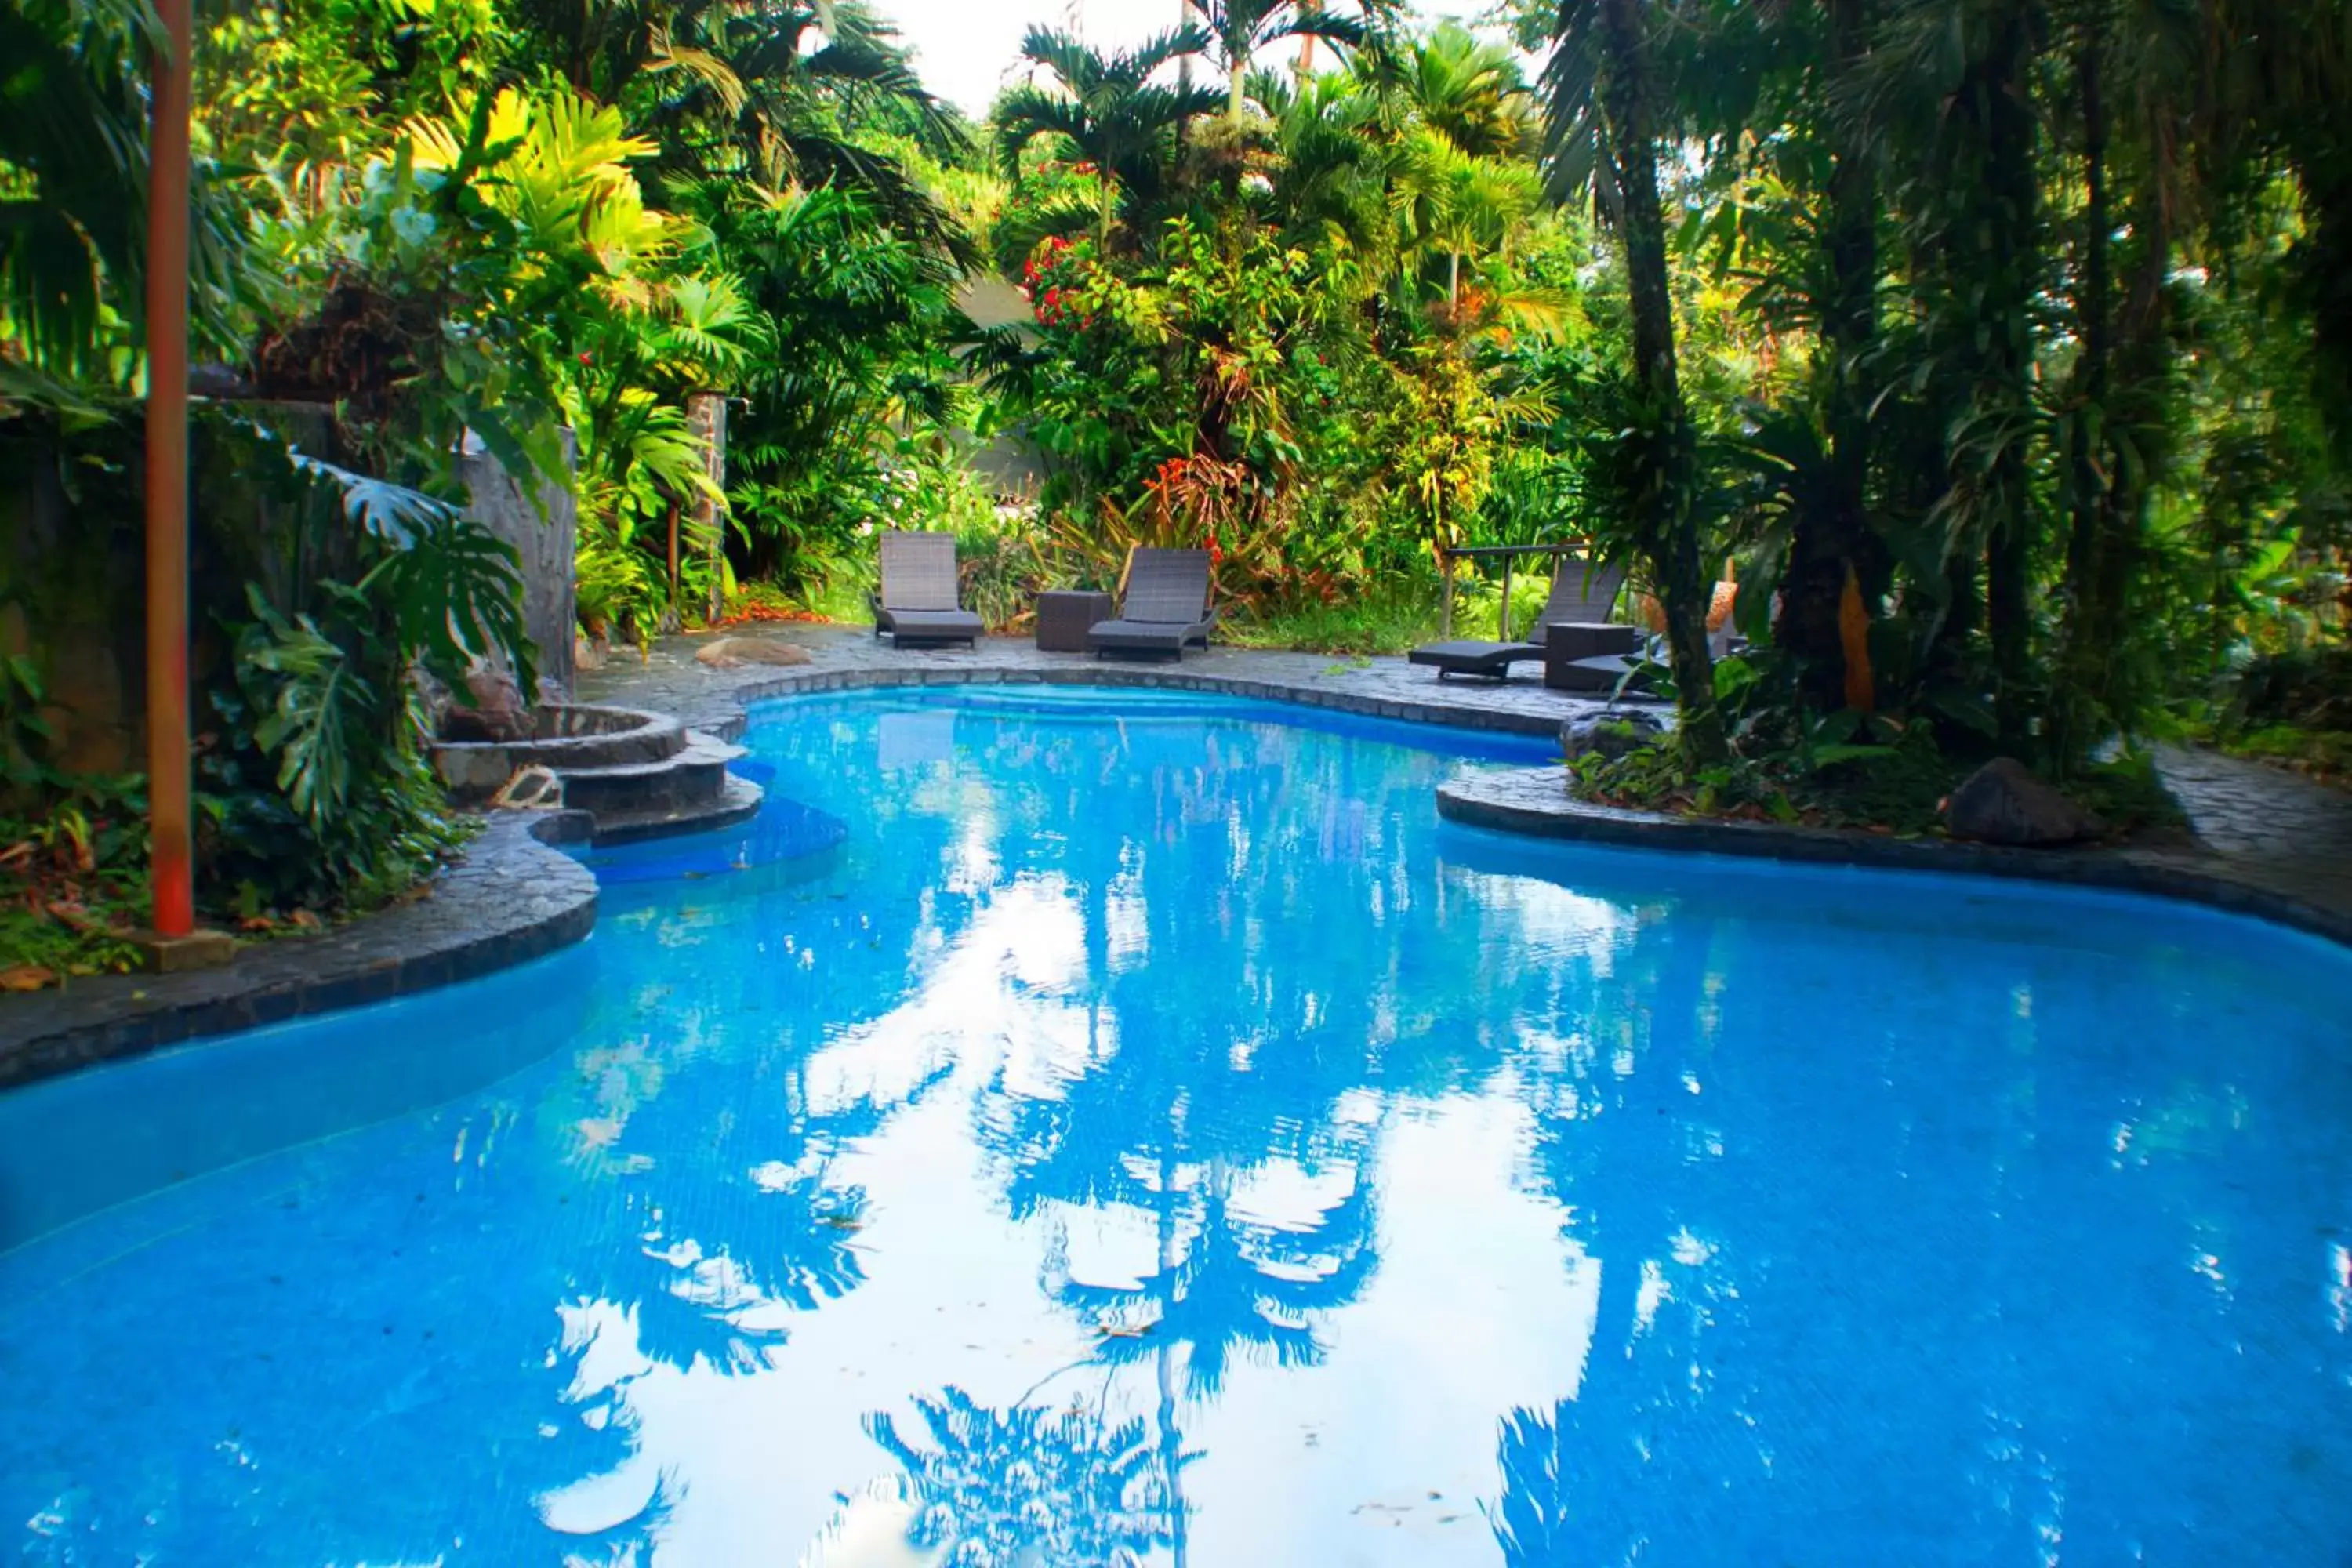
(2004, 803)
(730, 653)
(1613, 735)
(496, 711)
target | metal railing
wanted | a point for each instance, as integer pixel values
(1509, 553)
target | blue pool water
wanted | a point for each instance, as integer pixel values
(1094, 1128)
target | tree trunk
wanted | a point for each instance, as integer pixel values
(1183, 77)
(1833, 543)
(2005, 244)
(1668, 527)
(2087, 639)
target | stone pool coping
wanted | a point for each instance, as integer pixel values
(1535, 802)
(720, 707)
(514, 896)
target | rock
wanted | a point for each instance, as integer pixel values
(496, 713)
(587, 654)
(1613, 735)
(530, 789)
(2004, 803)
(26, 977)
(729, 653)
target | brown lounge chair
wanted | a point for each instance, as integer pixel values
(918, 600)
(1580, 592)
(1167, 605)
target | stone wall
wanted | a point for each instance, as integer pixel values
(73, 572)
(546, 533)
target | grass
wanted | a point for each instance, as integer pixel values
(1389, 618)
(2322, 754)
(840, 597)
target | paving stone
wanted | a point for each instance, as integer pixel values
(511, 898)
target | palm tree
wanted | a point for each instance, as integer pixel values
(757, 91)
(1457, 204)
(1239, 29)
(73, 139)
(1333, 175)
(1106, 109)
(1604, 130)
(1469, 92)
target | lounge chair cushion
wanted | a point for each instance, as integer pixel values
(1159, 636)
(943, 625)
(1600, 673)
(1469, 657)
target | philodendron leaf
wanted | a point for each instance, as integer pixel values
(455, 589)
(456, 596)
(394, 513)
(322, 703)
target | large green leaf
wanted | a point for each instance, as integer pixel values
(323, 703)
(456, 594)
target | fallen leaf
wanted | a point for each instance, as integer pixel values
(257, 923)
(26, 977)
(306, 921)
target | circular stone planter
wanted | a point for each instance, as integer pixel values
(564, 736)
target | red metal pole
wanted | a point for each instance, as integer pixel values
(172, 869)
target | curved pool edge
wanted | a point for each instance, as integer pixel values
(513, 898)
(1532, 801)
(728, 714)
(1535, 803)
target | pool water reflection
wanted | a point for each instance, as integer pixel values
(1100, 1128)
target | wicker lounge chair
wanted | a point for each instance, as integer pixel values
(918, 600)
(1167, 605)
(1580, 592)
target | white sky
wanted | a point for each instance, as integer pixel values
(965, 49)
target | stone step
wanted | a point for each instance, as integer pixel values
(737, 801)
(695, 776)
(577, 741)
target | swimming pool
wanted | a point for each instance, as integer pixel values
(1102, 1126)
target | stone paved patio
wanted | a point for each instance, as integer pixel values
(2272, 828)
(671, 681)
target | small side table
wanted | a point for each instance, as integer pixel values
(1568, 645)
(1065, 615)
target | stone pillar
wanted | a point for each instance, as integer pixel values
(546, 534)
(706, 418)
